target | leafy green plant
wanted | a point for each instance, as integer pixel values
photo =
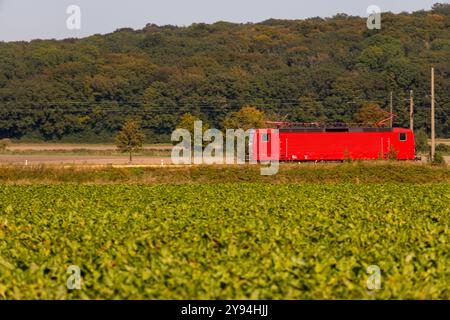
(392, 154)
(444, 148)
(225, 241)
(438, 159)
(421, 141)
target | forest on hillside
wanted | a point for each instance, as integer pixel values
(318, 69)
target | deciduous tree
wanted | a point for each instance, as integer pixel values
(369, 114)
(130, 138)
(248, 117)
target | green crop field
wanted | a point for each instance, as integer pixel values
(228, 241)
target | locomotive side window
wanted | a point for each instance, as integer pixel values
(402, 136)
(265, 137)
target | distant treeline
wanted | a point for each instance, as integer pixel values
(296, 70)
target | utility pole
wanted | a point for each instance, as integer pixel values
(391, 110)
(433, 133)
(411, 110)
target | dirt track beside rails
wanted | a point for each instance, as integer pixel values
(76, 146)
(80, 160)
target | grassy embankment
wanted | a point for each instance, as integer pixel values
(370, 172)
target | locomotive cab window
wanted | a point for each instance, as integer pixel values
(265, 137)
(402, 136)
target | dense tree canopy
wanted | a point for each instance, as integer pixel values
(296, 70)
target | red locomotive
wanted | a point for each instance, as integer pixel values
(331, 144)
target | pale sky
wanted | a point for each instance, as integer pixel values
(46, 19)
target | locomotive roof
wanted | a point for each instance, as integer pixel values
(336, 129)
